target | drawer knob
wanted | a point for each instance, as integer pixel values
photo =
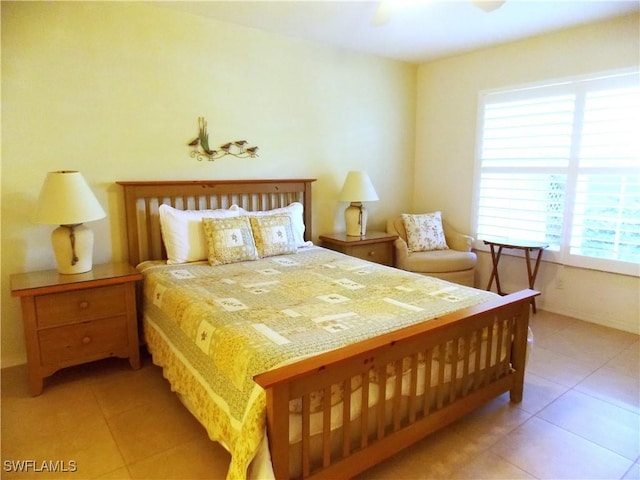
(372, 253)
(86, 340)
(84, 304)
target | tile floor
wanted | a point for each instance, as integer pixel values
(580, 419)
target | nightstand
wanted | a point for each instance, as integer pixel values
(374, 246)
(74, 319)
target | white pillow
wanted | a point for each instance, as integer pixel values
(295, 211)
(424, 232)
(183, 234)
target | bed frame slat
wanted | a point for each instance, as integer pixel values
(306, 435)
(364, 433)
(397, 395)
(346, 417)
(465, 365)
(477, 378)
(490, 346)
(382, 395)
(454, 369)
(413, 388)
(428, 365)
(326, 427)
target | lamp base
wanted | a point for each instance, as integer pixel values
(355, 218)
(73, 248)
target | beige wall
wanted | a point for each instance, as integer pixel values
(115, 89)
(446, 140)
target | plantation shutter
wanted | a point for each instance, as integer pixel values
(560, 164)
(526, 147)
(606, 218)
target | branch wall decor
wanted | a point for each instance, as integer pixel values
(201, 150)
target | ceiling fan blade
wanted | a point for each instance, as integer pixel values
(382, 15)
(488, 5)
(384, 10)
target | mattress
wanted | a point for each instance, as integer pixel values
(213, 328)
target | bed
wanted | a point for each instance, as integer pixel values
(376, 360)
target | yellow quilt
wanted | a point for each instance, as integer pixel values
(212, 329)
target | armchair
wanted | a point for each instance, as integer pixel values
(457, 264)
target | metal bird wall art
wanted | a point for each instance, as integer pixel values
(201, 150)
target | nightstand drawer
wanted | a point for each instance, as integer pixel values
(379, 253)
(375, 247)
(72, 343)
(80, 305)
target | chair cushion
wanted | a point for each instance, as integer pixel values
(439, 261)
(424, 232)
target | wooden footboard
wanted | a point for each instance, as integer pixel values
(474, 355)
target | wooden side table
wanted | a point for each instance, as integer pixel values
(74, 319)
(528, 247)
(374, 246)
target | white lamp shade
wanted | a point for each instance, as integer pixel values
(358, 188)
(66, 199)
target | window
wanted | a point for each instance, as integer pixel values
(560, 163)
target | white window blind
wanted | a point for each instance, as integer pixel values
(560, 164)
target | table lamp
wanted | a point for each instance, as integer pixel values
(357, 188)
(67, 200)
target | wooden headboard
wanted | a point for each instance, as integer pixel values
(142, 200)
